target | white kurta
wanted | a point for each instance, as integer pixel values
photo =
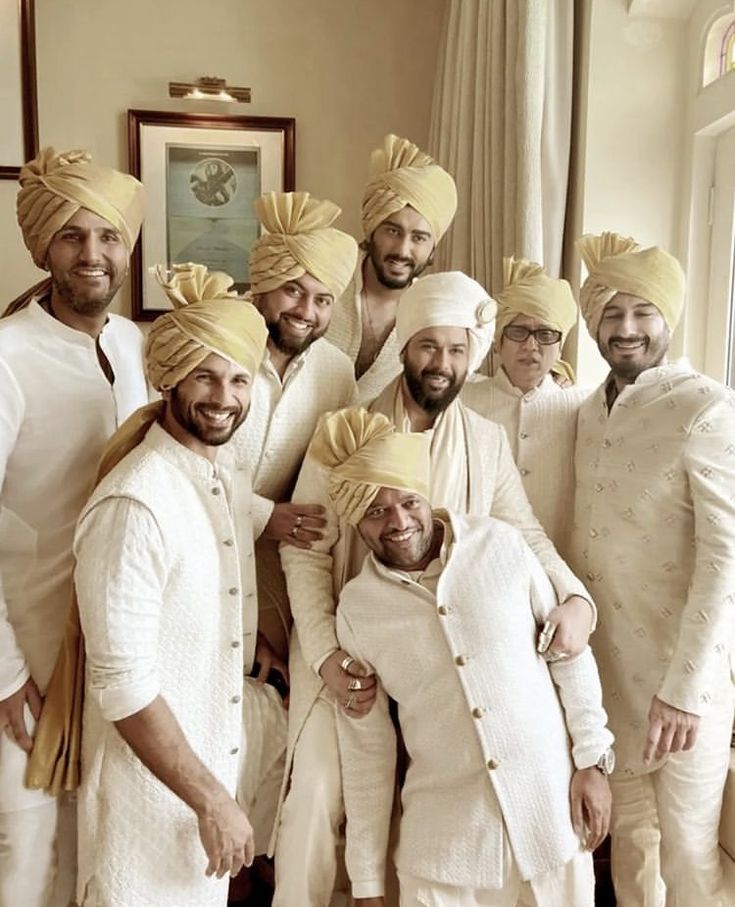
(57, 410)
(483, 717)
(270, 446)
(654, 537)
(541, 426)
(162, 581)
(345, 332)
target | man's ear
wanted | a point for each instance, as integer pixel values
(166, 395)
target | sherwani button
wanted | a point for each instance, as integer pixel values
(599, 487)
(235, 643)
(443, 610)
(215, 490)
(461, 660)
(492, 764)
(233, 591)
(228, 542)
(523, 436)
(236, 698)
(590, 576)
(235, 750)
(478, 712)
(524, 471)
(593, 533)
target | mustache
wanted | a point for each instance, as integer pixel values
(232, 410)
(640, 338)
(399, 259)
(438, 373)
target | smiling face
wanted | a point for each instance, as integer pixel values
(205, 408)
(435, 363)
(399, 529)
(88, 261)
(400, 248)
(527, 362)
(632, 336)
(296, 313)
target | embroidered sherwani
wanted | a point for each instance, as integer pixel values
(166, 586)
(541, 426)
(654, 537)
(345, 332)
(472, 471)
(470, 675)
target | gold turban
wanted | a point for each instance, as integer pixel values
(299, 240)
(401, 174)
(365, 453)
(208, 318)
(450, 299)
(617, 264)
(528, 290)
(55, 186)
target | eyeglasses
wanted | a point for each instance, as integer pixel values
(543, 336)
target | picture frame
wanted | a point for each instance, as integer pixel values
(18, 92)
(201, 173)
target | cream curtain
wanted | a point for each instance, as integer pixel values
(502, 124)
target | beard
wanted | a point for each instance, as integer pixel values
(291, 346)
(189, 418)
(431, 401)
(395, 283)
(85, 302)
(628, 369)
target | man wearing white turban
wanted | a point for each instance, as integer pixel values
(535, 314)
(408, 205)
(164, 579)
(654, 534)
(444, 327)
(70, 373)
(298, 269)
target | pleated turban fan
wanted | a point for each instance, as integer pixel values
(528, 290)
(207, 318)
(299, 240)
(450, 299)
(401, 174)
(617, 264)
(364, 453)
(55, 186)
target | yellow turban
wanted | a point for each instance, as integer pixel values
(300, 241)
(55, 186)
(617, 264)
(365, 453)
(451, 299)
(401, 174)
(208, 318)
(528, 290)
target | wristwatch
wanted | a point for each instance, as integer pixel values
(606, 762)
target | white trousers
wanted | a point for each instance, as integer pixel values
(311, 816)
(264, 734)
(665, 824)
(571, 885)
(37, 837)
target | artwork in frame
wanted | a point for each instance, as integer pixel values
(18, 103)
(201, 174)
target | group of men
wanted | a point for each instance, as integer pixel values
(328, 560)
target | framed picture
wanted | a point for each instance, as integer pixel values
(19, 135)
(201, 173)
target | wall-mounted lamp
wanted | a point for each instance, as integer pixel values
(208, 88)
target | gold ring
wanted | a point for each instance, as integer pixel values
(293, 531)
(350, 702)
(355, 684)
(346, 662)
(299, 521)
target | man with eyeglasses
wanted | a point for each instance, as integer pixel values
(539, 416)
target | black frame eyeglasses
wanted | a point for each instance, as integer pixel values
(520, 334)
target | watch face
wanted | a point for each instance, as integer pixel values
(606, 762)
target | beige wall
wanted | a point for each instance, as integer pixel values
(348, 72)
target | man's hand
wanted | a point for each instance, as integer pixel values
(352, 687)
(567, 629)
(227, 837)
(268, 661)
(295, 524)
(590, 800)
(12, 720)
(669, 730)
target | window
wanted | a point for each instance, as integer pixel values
(719, 50)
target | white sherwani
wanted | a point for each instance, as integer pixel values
(541, 426)
(161, 588)
(654, 536)
(345, 332)
(470, 675)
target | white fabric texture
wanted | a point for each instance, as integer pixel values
(57, 410)
(316, 577)
(653, 536)
(345, 332)
(161, 584)
(541, 426)
(471, 675)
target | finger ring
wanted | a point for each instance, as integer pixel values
(354, 684)
(346, 662)
(293, 531)
(350, 702)
(299, 521)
